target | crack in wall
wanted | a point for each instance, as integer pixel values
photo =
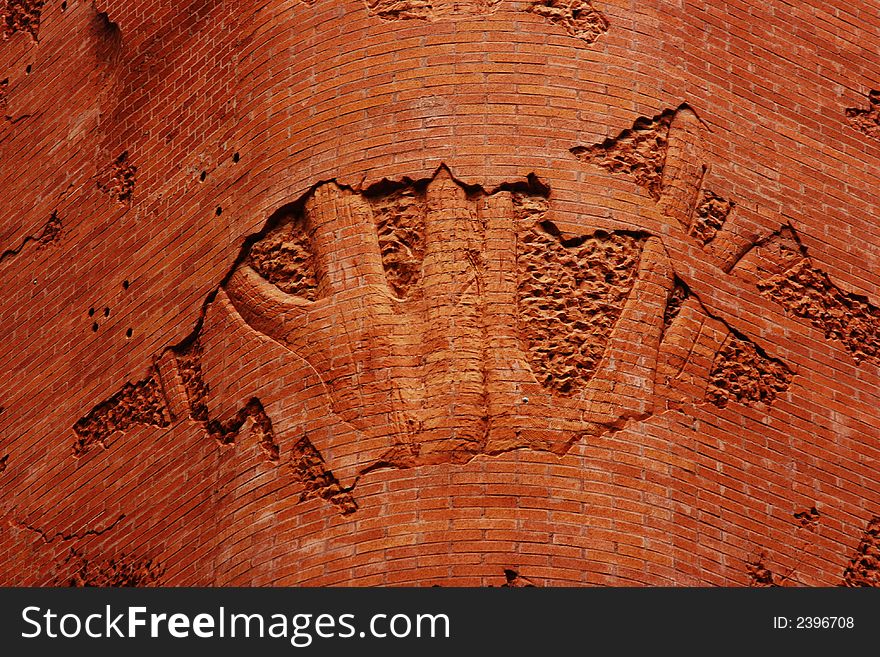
(225, 433)
(49, 538)
(513, 580)
(680, 293)
(639, 151)
(50, 234)
(306, 462)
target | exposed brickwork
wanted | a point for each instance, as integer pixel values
(120, 179)
(785, 274)
(570, 294)
(140, 403)
(712, 211)
(121, 572)
(639, 151)
(21, 16)
(743, 373)
(342, 386)
(578, 17)
(867, 120)
(864, 568)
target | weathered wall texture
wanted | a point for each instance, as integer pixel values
(485, 292)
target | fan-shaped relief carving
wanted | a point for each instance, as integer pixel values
(429, 321)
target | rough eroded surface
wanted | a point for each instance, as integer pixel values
(783, 272)
(743, 373)
(400, 223)
(309, 467)
(393, 10)
(864, 568)
(284, 257)
(571, 291)
(120, 179)
(867, 120)
(121, 572)
(21, 16)
(710, 215)
(760, 576)
(808, 292)
(639, 151)
(140, 403)
(578, 17)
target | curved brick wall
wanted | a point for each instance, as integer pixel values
(457, 293)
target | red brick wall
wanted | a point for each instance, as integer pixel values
(143, 142)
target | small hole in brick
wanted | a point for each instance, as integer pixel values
(125, 285)
(64, 6)
(106, 312)
(219, 211)
(28, 69)
(236, 157)
(203, 175)
(95, 327)
(129, 333)
(91, 312)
